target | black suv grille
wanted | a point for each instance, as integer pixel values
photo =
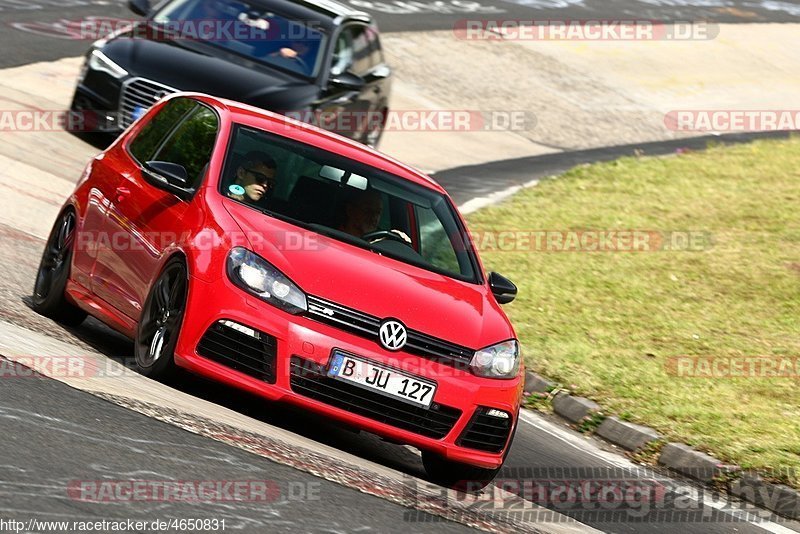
(241, 348)
(366, 325)
(309, 379)
(486, 432)
(140, 93)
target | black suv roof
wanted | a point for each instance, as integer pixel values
(335, 8)
(337, 12)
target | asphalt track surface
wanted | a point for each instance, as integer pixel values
(44, 30)
(53, 435)
(56, 438)
(482, 181)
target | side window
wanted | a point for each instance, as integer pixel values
(376, 52)
(191, 144)
(342, 54)
(151, 136)
(435, 245)
(353, 51)
(361, 50)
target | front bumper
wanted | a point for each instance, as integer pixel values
(97, 97)
(111, 104)
(302, 348)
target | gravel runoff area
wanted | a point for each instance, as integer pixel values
(582, 94)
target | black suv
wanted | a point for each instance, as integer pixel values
(315, 60)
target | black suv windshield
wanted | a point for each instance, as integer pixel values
(248, 30)
(348, 201)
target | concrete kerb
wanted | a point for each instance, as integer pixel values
(779, 498)
(627, 435)
(695, 464)
(574, 409)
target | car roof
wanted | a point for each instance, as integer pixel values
(307, 133)
(303, 9)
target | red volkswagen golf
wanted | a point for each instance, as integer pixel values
(297, 265)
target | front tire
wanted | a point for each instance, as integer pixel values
(457, 475)
(372, 137)
(160, 323)
(460, 476)
(51, 279)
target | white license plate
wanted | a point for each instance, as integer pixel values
(138, 111)
(381, 379)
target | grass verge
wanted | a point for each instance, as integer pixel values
(628, 327)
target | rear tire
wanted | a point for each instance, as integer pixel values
(159, 326)
(51, 279)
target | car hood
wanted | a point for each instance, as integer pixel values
(194, 66)
(456, 311)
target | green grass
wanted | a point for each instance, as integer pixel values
(608, 322)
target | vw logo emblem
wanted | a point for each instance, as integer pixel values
(393, 334)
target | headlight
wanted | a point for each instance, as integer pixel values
(498, 361)
(255, 275)
(100, 61)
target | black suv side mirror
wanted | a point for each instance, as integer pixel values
(347, 80)
(169, 176)
(140, 7)
(502, 288)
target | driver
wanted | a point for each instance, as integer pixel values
(362, 211)
(295, 50)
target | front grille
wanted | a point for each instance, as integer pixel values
(139, 92)
(366, 325)
(486, 432)
(241, 348)
(310, 380)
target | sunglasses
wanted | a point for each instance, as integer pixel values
(261, 178)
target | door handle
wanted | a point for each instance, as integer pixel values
(342, 100)
(122, 193)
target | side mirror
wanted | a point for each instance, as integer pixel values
(502, 288)
(169, 176)
(347, 80)
(140, 7)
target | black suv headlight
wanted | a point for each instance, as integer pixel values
(260, 278)
(100, 62)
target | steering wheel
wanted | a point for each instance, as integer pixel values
(302, 64)
(277, 54)
(394, 235)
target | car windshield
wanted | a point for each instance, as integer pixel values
(347, 200)
(246, 29)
